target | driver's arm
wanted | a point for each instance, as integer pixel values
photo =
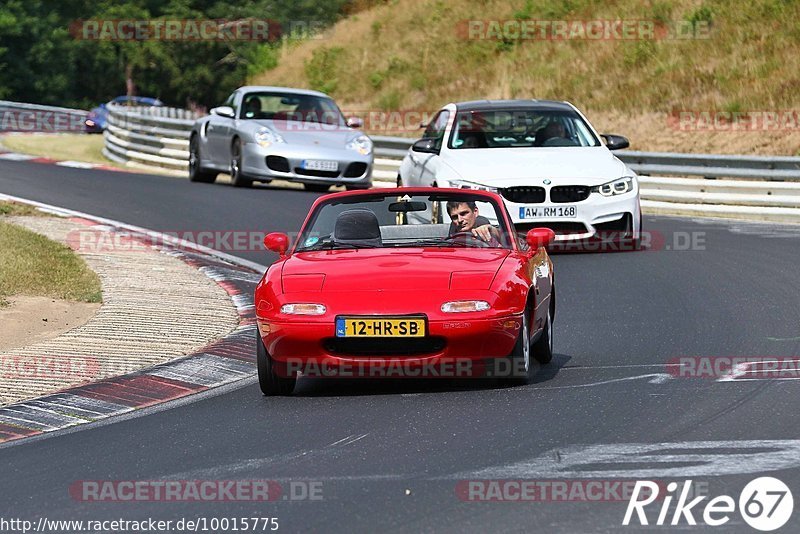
(485, 230)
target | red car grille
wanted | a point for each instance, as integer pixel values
(384, 346)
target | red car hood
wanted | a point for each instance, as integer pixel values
(421, 269)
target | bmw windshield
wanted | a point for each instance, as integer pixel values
(520, 128)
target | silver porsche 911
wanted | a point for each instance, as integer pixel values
(266, 133)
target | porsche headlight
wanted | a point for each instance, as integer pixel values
(266, 137)
(617, 187)
(464, 184)
(461, 306)
(303, 309)
(361, 144)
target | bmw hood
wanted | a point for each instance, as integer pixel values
(508, 167)
(421, 269)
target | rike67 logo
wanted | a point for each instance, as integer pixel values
(765, 504)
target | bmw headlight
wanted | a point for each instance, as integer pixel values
(463, 184)
(361, 144)
(266, 137)
(617, 187)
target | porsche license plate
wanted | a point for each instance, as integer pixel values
(320, 165)
(380, 327)
(548, 212)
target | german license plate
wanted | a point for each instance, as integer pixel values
(548, 212)
(320, 165)
(380, 327)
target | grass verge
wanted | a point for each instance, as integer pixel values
(31, 264)
(76, 147)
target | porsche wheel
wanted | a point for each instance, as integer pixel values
(543, 348)
(520, 356)
(270, 381)
(196, 171)
(238, 179)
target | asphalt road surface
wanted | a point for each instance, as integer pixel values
(410, 455)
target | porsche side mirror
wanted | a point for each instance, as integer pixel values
(277, 242)
(224, 111)
(539, 237)
(427, 146)
(355, 122)
(615, 142)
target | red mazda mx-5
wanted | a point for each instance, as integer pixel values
(411, 282)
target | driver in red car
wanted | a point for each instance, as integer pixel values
(465, 219)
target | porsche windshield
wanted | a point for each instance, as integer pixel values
(520, 128)
(291, 107)
(392, 220)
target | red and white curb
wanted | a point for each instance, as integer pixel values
(224, 361)
(15, 156)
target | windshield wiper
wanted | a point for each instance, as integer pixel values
(333, 245)
(441, 242)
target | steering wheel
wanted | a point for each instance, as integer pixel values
(468, 239)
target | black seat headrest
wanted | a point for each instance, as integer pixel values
(358, 226)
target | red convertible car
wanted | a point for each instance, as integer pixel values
(410, 282)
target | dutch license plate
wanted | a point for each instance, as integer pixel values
(548, 212)
(380, 327)
(320, 165)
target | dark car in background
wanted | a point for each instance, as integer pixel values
(97, 118)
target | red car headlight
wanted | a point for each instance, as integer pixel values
(303, 309)
(461, 306)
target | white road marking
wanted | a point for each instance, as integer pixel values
(625, 460)
(77, 164)
(17, 157)
(655, 378)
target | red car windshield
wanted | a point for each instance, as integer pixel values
(395, 221)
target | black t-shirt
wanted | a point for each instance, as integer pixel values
(480, 220)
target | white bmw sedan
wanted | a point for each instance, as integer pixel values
(543, 157)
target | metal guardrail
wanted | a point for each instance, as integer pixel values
(24, 117)
(665, 163)
(149, 136)
(770, 189)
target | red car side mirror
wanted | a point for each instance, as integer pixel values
(277, 242)
(539, 237)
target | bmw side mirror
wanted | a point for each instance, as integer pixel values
(539, 237)
(277, 242)
(427, 146)
(224, 111)
(615, 142)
